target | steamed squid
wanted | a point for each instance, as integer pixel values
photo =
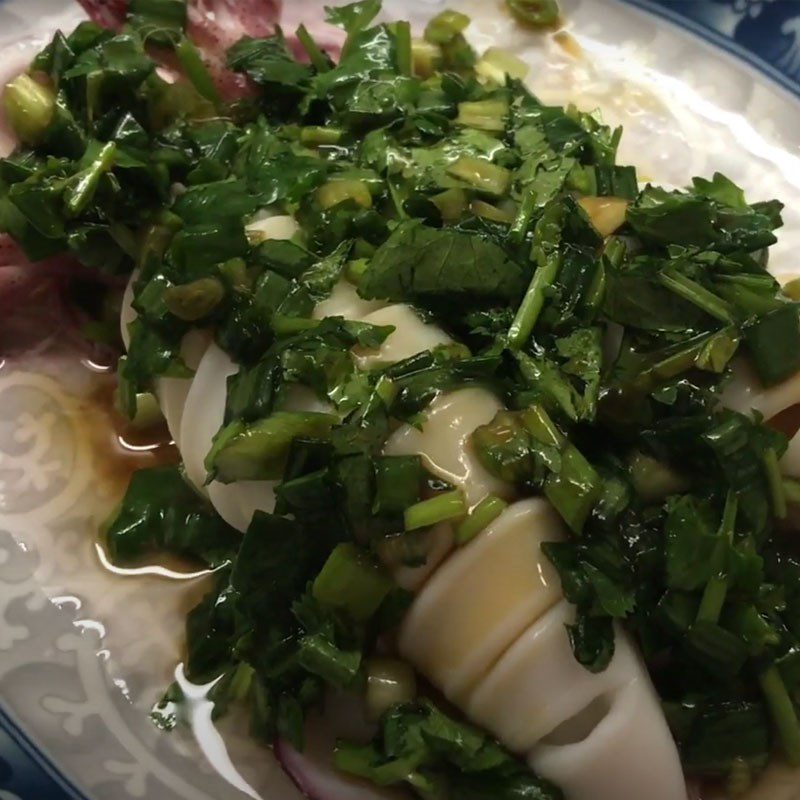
(487, 624)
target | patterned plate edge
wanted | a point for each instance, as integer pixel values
(763, 33)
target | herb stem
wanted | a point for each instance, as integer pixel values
(783, 712)
(316, 56)
(479, 518)
(79, 195)
(449, 505)
(716, 590)
(698, 295)
(402, 35)
(545, 254)
(522, 221)
(713, 599)
(196, 71)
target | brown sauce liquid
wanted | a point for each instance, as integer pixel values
(120, 450)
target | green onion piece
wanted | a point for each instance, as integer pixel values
(193, 301)
(783, 712)
(314, 134)
(402, 35)
(351, 581)
(157, 237)
(318, 655)
(333, 192)
(386, 390)
(497, 65)
(481, 174)
(716, 648)
(452, 203)
(425, 57)
(354, 269)
(698, 295)
(538, 13)
(389, 682)
(755, 630)
(488, 510)
(773, 342)
(541, 427)
(319, 60)
(713, 600)
(258, 451)
(29, 108)
(397, 484)
(235, 270)
(490, 212)
(653, 480)
(575, 489)
(148, 411)
(596, 291)
(449, 505)
(522, 221)
(444, 27)
(196, 71)
(545, 252)
(532, 303)
(775, 481)
(716, 590)
(81, 189)
(483, 115)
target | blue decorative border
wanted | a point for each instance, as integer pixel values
(25, 771)
(763, 33)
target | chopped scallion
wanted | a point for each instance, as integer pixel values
(479, 518)
(319, 60)
(445, 26)
(497, 64)
(490, 212)
(196, 71)
(481, 175)
(29, 108)
(483, 115)
(334, 192)
(315, 135)
(783, 712)
(695, 293)
(442, 507)
(352, 582)
(195, 300)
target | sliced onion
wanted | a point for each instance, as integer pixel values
(313, 771)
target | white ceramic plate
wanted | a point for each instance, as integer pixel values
(700, 85)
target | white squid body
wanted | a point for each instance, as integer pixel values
(487, 624)
(488, 630)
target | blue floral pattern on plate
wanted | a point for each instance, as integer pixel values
(766, 33)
